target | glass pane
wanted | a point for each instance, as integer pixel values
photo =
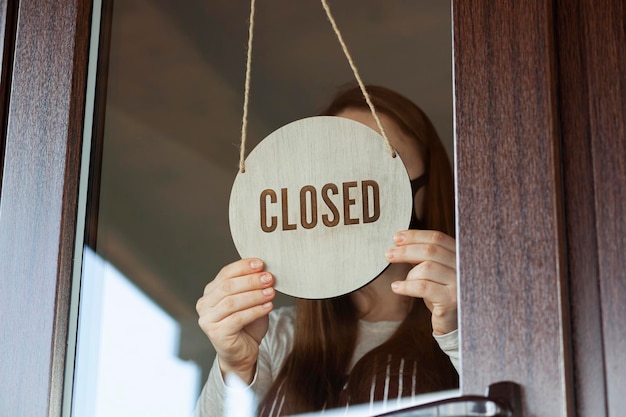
(170, 153)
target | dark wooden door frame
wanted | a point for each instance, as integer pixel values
(8, 19)
(511, 234)
(592, 107)
(39, 200)
(540, 90)
(514, 312)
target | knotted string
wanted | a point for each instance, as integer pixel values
(358, 77)
(246, 95)
(246, 99)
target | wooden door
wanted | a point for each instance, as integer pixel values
(514, 316)
(592, 109)
(540, 90)
(39, 200)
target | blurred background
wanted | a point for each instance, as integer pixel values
(170, 154)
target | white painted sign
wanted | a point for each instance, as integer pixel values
(319, 202)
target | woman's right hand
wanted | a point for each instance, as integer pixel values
(233, 312)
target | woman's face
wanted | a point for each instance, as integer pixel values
(405, 145)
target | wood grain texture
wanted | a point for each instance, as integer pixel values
(607, 79)
(4, 5)
(8, 20)
(39, 201)
(592, 74)
(583, 262)
(319, 202)
(4, 83)
(511, 261)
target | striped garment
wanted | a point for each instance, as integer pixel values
(395, 388)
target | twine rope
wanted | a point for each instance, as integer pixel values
(355, 71)
(246, 95)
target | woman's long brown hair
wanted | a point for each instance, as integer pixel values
(314, 373)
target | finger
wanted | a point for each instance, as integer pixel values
(435, 237)
(432, 292)
(218, 289)
(420, 252)
(433, 271)
(433, 282)
(440, 299)
(233, 303)
(241, 267)
(232, 324)
(216, 308)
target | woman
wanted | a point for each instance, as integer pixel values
(381, 342)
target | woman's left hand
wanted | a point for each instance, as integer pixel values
(433, 276)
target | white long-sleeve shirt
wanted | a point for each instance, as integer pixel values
(276, 346)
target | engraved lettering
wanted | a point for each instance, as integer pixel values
(329, 203)
(309, 207)
(312, 205)
(285, 207)
(367, 216)
(274, 220)
(348, 202)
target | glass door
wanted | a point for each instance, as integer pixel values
(165, 154)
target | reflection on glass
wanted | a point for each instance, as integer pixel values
(170, 153)
(129, 335)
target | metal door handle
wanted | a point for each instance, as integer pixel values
(503, 399)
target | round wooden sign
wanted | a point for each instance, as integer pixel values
(319, 202)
